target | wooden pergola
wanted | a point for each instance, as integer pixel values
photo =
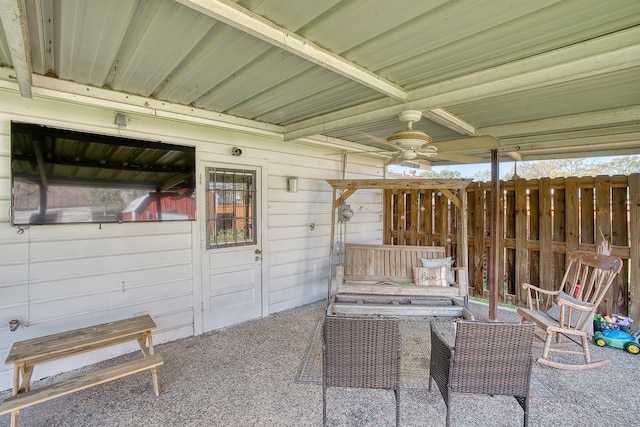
(452, 189)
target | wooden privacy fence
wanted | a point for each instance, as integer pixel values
(541, 221)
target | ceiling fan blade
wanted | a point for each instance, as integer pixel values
(417, 162)
(427, 150)
(396, 159)
(471, 143)
(460, 158)
(375, 138)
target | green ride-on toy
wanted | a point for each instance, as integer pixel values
(618, 339)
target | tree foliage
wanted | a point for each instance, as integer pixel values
(623, 165)
(443, 173)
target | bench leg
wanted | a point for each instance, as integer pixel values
(21, 378)
(16, 379)
(146, 346)
(154, 377)
(14, 419)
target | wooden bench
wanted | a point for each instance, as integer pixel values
(25, 355)
(366, 283)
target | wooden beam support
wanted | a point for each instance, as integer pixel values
(454, 199)
(399, 184)
(343, 198)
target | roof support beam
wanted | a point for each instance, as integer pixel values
(572, 141)
(614, 52)
(14, 22)
(254, 24)
(50, 87)
(447, 119)
(595, 119)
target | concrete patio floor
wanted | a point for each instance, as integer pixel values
(245, 376)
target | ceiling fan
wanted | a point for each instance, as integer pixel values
(414, 145)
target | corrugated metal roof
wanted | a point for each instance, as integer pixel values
(345, 69)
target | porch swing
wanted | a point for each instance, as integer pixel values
(392, 279)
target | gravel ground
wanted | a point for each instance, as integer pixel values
(245, 376)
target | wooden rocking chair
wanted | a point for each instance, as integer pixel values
(565, 316)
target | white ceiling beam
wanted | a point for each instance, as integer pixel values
(614, 52)
(254, 24)
(563, 154)
(449, 120)
(343, 145)
(624, 131)
(575, 143)
(54, 88)
(14, 22)
(611, 117)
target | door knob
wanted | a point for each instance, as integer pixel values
(258, 251)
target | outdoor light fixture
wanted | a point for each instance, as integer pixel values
(292, 184)
(122, 119)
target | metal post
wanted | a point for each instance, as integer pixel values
(494, 263)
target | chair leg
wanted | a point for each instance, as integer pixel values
(547, 345)
(324, 405)
(585, 349)
(397, 392)
(523, 401)
(448, 419)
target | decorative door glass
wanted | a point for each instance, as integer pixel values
(230, 204)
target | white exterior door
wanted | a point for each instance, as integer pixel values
(232, 250)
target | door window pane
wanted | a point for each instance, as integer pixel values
(231, 198)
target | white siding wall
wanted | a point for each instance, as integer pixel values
(60, 277)
(298, 254)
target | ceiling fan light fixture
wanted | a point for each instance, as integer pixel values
(409, 154)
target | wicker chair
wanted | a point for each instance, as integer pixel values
(488, 358)
(565, 316)
(361, 353)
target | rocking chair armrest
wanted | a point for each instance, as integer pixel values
(537, 298)
(579, 306)
(533, 288)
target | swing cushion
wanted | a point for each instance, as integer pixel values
(430, 276)
(440, 262)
